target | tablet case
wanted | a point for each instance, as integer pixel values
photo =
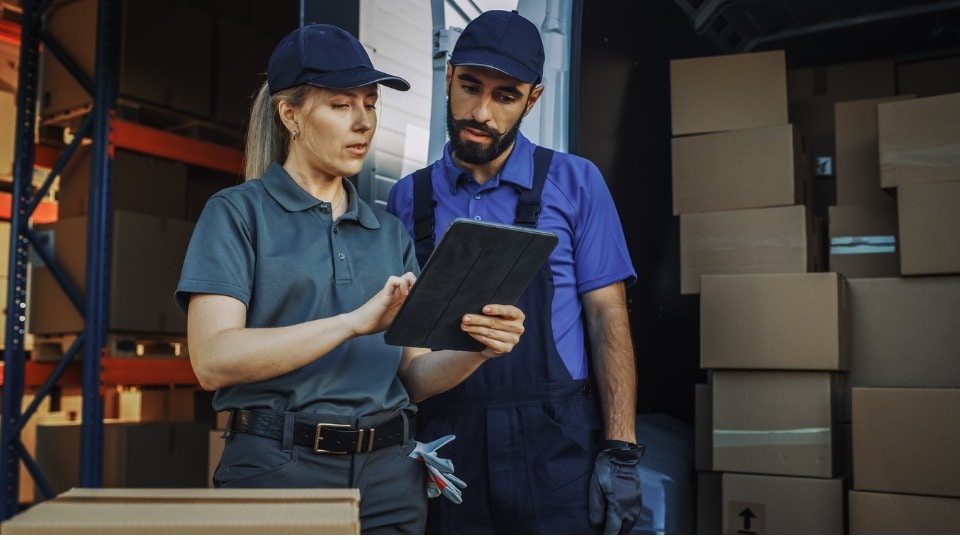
(476, 263)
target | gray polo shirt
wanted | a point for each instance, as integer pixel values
(275, 247)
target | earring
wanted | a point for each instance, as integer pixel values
(294, 134)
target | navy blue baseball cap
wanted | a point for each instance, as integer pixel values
(324, 55)
(504, 41)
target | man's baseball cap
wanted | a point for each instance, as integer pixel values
(324, 55)
(504, 41)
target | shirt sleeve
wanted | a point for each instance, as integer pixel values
(220, 257)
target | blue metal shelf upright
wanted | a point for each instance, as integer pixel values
(96, 127)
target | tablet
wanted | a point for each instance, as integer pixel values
(476, 263)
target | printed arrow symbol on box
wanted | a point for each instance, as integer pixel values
(746, 515)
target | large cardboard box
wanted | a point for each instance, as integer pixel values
(929, 218)
(138, 183)
(703, 427)
(904, 332)
(727, 92)
(863, 241)
(878, 513)
(145, 261)
(157, 404)
(905, 440)
(929, 77)
(813, 92)
(153, 68)
(136, 454)
(752, 241)
(8, 119)
(761, 504)
(709, 503)
(918, 140)
(192, 511)
(747, 168)
(858, 157)
(777, 422)
(774, 321)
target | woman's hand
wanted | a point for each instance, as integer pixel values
(499, 327)
(378, 312)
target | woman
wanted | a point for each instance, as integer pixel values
(288, 282)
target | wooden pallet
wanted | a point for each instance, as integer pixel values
(48, 348)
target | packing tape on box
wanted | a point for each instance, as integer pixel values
(731, 438)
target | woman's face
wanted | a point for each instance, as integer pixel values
(336, 129)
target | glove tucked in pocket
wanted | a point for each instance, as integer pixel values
(440, 477)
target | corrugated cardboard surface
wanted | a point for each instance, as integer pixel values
(146, 258)
(919, 140)
(755, 241)
(906, 440)
(813, 92)
(891, 513)
(746, 168)
(774, 321)
(760, 504)
(904, 332)
(863, 241)
(776, 422)
(726, 92)
(192, 511)
(929, 216)
(858, 158)
(929, 77)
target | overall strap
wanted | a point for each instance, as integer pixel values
(528, 209)
(423, 221)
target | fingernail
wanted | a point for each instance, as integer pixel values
(466, 319)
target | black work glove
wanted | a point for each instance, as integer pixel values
(615, 495)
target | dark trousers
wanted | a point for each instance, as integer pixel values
(392, 485)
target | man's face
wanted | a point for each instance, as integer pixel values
(484, 111)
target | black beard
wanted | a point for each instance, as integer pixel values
(475, 153)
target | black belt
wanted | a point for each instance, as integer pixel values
(324, 438)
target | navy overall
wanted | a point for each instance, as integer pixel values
(526, 432)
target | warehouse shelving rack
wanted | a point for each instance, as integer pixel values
(27, 206)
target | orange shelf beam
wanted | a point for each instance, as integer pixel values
(10, 32)
(46, 212)
(36, 373)
(175, 147)
(136, 371)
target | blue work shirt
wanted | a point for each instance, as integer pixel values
(576, 205)
(275, 247)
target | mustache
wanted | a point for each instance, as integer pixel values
(477, 126)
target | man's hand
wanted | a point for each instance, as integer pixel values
(615, 495)
(499, 328)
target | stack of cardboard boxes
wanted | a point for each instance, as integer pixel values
(837, 386)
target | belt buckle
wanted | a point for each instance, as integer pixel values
(318, 438)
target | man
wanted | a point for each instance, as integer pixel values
(545, 436)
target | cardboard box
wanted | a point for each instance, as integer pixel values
(777, 422)
(237, 82)
(703, 427)
(727, 92)
(891, 513)
(157, 404)
(905, 440)
(863, 241)
(918, 140)
(709, 503)
(731, 170)
(929, 218)
(192, 511)
(858, 156)
(929, 77)
(904, 332)
(8, 135)
(754, 241)
(139, 183)
(774, 321)
(136, 454)
(759, 504)
(175, 76)
(145, 261)
(813, 92)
